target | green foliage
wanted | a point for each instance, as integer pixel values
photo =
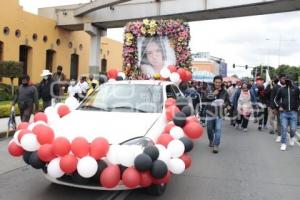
(11, 69)
(5, 108)
(5, 92)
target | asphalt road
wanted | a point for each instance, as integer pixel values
(249, 167)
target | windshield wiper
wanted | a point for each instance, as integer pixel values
(128, 107)
(93, 108)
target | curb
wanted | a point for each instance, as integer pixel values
(3, 134)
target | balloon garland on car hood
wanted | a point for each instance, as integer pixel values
(108, 165)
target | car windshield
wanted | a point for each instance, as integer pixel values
(125, 98)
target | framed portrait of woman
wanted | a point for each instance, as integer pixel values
(154, 53)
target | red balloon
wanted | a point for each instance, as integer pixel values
(187, 159)
(68, 164)
(80, 147)
(99, 148)
(182, 74)
(23, 125)
(193, 130)
(172, 68)
(45, 134)
(168, 127)
(112, 73)
(15, 150)
(170, 102)
(63, 110)
(40, 116)
(170, 112)
(189, 75)
(164, 139)
(131, 177)
(192, 119)
(45, 153)
(146, 179)
(110, 176)
(22, 132)
(61, 146)
(165, 179)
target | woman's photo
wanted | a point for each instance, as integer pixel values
(155, 53)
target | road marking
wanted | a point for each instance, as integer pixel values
(116, 195)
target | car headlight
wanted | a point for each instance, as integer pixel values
(141, 141)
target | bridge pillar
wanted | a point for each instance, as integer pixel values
(95, 46)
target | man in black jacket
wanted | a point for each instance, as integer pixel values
(216, 100)
(47, 89)
(26, 97)
(287, 100)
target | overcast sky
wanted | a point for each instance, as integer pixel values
(265, 39)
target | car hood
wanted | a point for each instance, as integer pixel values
(116, 127)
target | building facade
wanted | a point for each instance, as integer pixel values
(39, 44)
(203, 61)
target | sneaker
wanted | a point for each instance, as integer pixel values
(211, 144)
(278, 139)
(255, 121)
(271, 132)
(292, 141)
(245, 130)
(259, 128)
(283, 147)
(265, 127)
(216, 149)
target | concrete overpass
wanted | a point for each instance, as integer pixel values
(97, 16)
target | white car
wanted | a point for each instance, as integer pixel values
(123, 112)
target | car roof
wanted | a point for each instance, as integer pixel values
(140, 82)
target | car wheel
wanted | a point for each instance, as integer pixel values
(156, 189)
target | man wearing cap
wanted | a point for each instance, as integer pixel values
(47, 89)
(287, 99)
(27, 99)
(59, 77)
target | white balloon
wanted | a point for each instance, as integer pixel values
(49, 110)
(175, 78)
(72, 103)
(32, 125)
(164, 154)
(165, 72)
(29, 142)
(122, 74)
(126, 155)
(54, 169)
(176, 148)
(176, 166)
(53, 118)
(87, 167)
(15, 138)
(176, 132)
(112, 155)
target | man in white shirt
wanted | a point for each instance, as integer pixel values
(74, 90)
(84, 87)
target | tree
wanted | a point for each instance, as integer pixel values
(261, 70)
(11, 69)
(292, 71)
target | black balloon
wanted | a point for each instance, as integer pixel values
(79, 179)
(122, 169)
(181, 102)
(101, 166)
(143, 162)
(119, 78)
(187, 110)
(26, 157)
(159, 169)
(152, 151)
(35, 161)
(188, 144)
(179, 119)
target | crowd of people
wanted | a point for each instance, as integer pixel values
(51, 89)
(273, 106)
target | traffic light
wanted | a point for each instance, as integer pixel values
(246, 66)
(233, 65)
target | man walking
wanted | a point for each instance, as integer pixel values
(287, 99)
(46, 88)
(59, 78)
(26, 97)
(216, 100)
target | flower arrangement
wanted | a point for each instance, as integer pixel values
(177, 31)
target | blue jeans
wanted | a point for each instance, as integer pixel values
(285, 119)
(214, 125)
